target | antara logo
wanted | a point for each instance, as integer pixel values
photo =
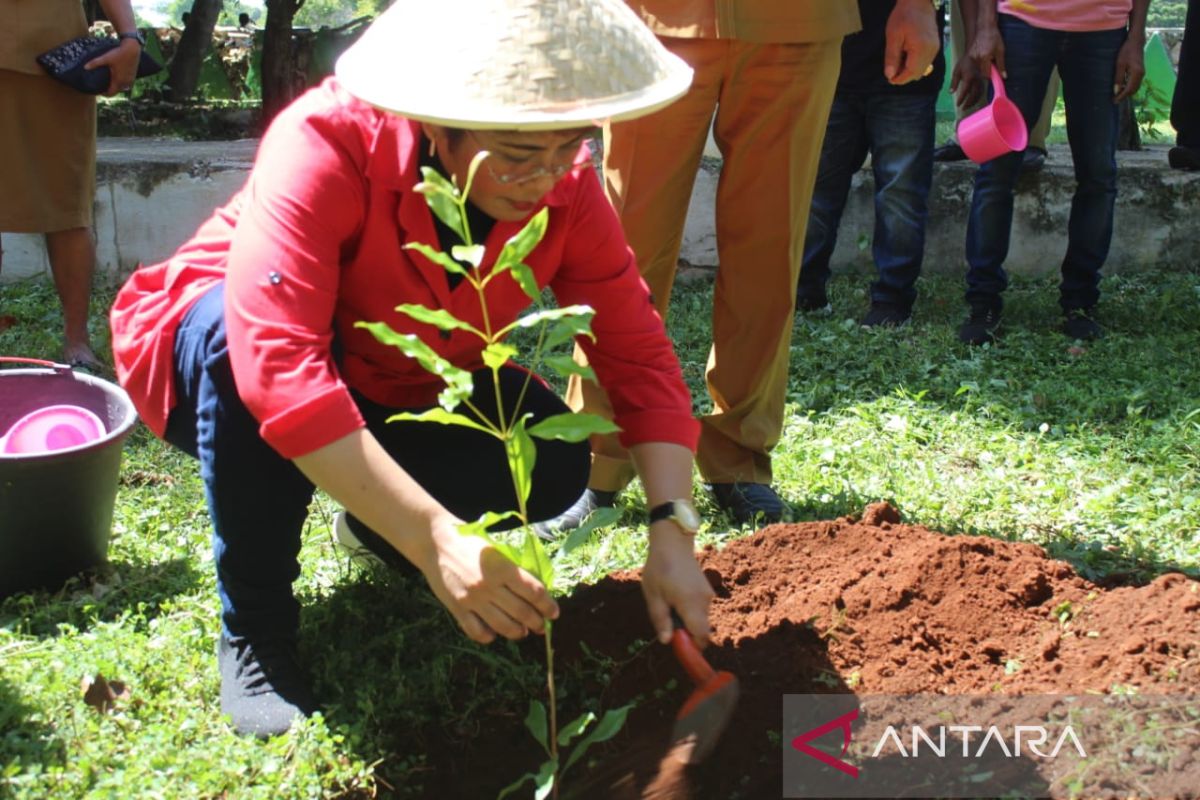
(801, 742)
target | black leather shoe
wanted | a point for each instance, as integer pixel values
(886, 315)
(1080, 325)
(573, 517)
(950, 151)
(750, 502)
(263, 688)
(980, 325)
(1033, 159)
(1184, 157)
(813, 302)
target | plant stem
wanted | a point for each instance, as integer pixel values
(553, 705)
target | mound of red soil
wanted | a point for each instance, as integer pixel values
(869, 606)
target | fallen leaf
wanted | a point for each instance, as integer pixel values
(103, 694)
(7, 321)
(1076, 350)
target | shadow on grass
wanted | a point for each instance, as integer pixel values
(25, 743)
(102, 595)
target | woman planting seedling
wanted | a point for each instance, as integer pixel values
(244, 348)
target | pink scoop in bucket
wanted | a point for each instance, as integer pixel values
(52, 428)
(995, 129)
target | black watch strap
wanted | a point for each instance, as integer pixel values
(136, 35)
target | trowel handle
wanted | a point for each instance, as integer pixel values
(688, 654)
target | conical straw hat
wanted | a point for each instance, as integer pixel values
(512, 64)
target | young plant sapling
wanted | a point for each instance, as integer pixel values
(554, 326)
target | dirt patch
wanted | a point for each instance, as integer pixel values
(869, 606)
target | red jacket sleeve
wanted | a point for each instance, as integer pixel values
(304, 202)
(632, 356)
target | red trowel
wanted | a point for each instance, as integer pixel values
(706, 712)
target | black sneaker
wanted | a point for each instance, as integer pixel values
(815, 302)
(263, 688)
(1078, 324)
(749, 502)
(573, 517)
(950, 151)
(980, 326)
(886, 315)
(1184, 157)
(1033, 159)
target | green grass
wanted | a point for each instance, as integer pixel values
(1092, 452)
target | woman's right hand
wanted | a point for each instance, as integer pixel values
(485, 592)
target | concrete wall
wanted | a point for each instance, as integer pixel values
(152, 195)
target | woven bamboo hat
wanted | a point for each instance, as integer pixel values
(512, 64)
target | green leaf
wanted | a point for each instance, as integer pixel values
(575, 727)
(497, 354)
(535, 561)
(545, 779)
(458, 381)
(523, 275)
(568, 328)
(483, 525)
(609, 726)
(523, 241)
(600, 518)
(442, 197)
(439, 318)
(548, 315)
(522, 454)
(567, 366)
(472, 254)
(535, 722)
(442, 416)
(437, 257)
(572, 427)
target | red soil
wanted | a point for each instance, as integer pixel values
(865, 605)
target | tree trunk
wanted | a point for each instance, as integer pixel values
(1128, 136)
(278, 84)
(194, 44)
(92, 10)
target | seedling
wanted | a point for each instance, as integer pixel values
(554, 326)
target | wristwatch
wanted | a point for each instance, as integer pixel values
(136, 35)
(681, 512)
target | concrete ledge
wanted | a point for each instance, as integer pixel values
(153, 194)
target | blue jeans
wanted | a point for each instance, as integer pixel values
(1086, 63)
(258, 500)
(897, 129)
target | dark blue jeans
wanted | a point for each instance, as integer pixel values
(1086, 63)
(897, 129)
(258, 500)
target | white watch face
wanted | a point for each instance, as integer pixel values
(686, 515)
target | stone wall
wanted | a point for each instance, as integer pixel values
(152, 195)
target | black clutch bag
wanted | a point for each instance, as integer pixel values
(65, 63)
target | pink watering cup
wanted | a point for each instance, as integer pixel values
(995, 129)
(52, 428)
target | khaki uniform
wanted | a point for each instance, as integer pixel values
(767, 69)
(47, 131)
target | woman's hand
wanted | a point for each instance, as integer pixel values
(672, 579)
(122, 62)
(485, 592)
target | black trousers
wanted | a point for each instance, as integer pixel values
(1185, 107)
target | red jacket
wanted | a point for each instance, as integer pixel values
(314, 243)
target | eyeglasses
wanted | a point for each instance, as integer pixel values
(520, 173)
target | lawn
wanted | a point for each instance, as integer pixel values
(1091, 451)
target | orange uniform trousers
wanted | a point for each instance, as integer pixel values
(771, 103)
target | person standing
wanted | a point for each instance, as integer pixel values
(1097, 48)
(895, 124)
(765, 73)
(962, 26)
(1185, 105)
(48, 136)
